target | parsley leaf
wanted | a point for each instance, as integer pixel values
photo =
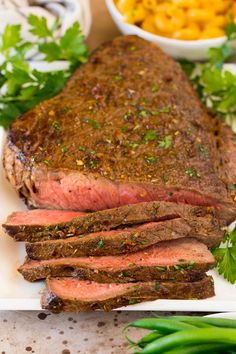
(225, 256)
(39, 26)
(21, 87)
(150, 135)
(11, 37)
(73, 46)
(166, 142)
(215, 85)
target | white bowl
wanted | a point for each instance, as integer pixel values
(191, 50)
(229, 315)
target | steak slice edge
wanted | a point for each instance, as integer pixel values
(74, 295)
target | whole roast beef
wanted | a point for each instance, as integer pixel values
(127, 128)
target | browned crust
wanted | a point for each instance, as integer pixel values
(199, 218)
(25, 131)
(182, 272)
(138, 293)
(126, 241)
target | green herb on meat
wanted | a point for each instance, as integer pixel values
(165, 178)
(151, 160)
(143, 114)
(56, 125)
(231, 187)
(100, 244)
(165, 110)
(118, 77)
(155, 88)
(22, 87)
(124, 129)
(150, 135)
(192, 172)
(132, 301)
(166, 142)
(93, 122)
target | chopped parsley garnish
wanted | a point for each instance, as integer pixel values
(56, 125)
(124, 129)
(94, 123)
(231, 186)
(143, 114)
(225, 256)
(64, 149)
(100, 244)
(150, 135)
(46, 162)
(118, 78)
(151, 160)
(131, 265)
(165, 178)
(160, 269)
(133, 145)
(64, 109)
(132, 301)
(81, 148)
(192, 172)
(155, 88)
(203, 150)
(166, 142)
(165, 110)
(93, 163)
(127, 116)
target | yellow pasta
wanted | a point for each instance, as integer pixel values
(189, 33)
(148, 24)
(212, 32)
(200, 15)
(180, 19)
(150, 4)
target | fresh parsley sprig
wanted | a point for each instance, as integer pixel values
(215, 85)
(21, 87)
(225, 256)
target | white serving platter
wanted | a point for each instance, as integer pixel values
(18, 294)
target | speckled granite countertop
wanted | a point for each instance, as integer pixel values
(68, 333)
(45, 333)
(86, 333)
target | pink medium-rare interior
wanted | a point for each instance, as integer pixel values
(165, 253)
(72, 288)
(77, 191)
(42, 217)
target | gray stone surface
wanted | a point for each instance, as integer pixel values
(67, 333)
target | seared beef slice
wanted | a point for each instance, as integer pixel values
(121, 241)
(183, 260)
(116, 140)
(71, 294)
(39, 225)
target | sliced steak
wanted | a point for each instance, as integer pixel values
(182, 260)
(39, 225)
(71, 294)
(121, 241)
(108, 139)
